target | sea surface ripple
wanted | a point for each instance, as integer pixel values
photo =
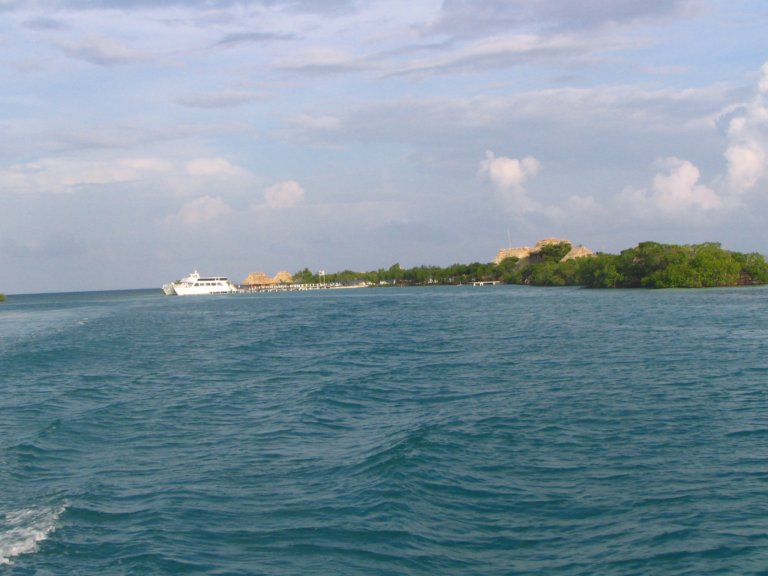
(455, 430)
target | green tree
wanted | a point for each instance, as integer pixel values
(599, 271)
(715, 266)
(552, 273)
(506, 271)
(554, 252)
(395, 273)
(644, 265)
(546, 273)
(678, 275)
(305, 277)
(648, 265)
(754, 269)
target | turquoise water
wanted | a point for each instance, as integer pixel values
(458, 430)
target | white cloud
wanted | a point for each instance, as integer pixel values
(508, 177)
(67, 175)
(56, 244)
(284, 194)
(200, 211)
(747, 152)
(319, 122)
(508, 172)
(746, 164)
(675, 192)
(762, 84)
(507, 51)
(218, 100)
(322, 60)
(468, 18)
(596, 112)
(102, 51)
(70, 175)
(581, 210)
(214, 167)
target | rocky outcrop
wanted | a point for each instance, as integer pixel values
(261, 279)
(578, 252)
(519, 253)
(524, 253)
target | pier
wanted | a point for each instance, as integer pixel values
(253, 288)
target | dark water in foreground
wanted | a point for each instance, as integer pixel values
(494, 430)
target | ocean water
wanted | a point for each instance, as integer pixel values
(454, 430)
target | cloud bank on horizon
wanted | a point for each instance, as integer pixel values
(144, 138)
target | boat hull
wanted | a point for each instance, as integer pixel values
(195, 285)
(203, 290)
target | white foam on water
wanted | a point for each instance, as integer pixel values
(21, 531)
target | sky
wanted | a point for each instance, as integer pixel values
(142, 139)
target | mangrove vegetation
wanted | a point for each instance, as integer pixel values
(648, 265)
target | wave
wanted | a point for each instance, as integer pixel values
(21, 531)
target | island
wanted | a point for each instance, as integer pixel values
(557, 262)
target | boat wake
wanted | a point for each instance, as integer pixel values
(23, 530)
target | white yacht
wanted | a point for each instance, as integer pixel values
(194, 285)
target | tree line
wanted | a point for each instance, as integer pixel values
(648, 265)
(655, 265)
